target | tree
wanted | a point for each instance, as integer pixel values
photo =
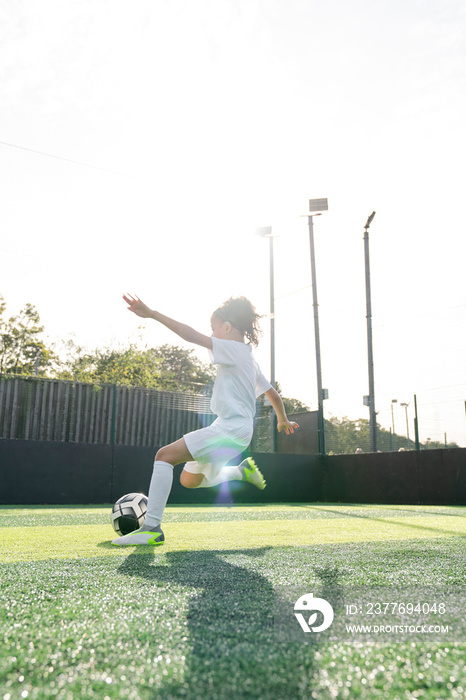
(294, 406)
(345, 436)
(127, 366)
(22, 351)
(167, 367)
(181, 369)
(437, 445)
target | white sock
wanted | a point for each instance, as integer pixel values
(159, 491)
(225, 474)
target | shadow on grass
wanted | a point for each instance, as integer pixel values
(390, 522)
(232, 652)
(432, 513)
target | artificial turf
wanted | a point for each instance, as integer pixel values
(195, 618)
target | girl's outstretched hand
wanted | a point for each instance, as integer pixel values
(137, 306)
(288, 426)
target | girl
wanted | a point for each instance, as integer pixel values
(238, 383)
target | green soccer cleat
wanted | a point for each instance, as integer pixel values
(141, 536)
(252, 473)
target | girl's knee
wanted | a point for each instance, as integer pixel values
(189, 480)
(162, 454)
(174, 454)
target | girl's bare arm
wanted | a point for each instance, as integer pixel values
(282, 419)
(186, 332)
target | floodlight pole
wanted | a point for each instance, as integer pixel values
(266, 232)
(370, 356)
(272, 315)
(314, 206)
(405, 406)
(416, 423)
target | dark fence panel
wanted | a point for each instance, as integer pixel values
(54, 472)
(435, 477)
(388, 477)
(304, 441)
(290, 479)
(442, 476)
(132, 470)
(63, 473)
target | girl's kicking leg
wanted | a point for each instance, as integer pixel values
(246, 471)
(159, 491)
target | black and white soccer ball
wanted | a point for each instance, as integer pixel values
(129, 512)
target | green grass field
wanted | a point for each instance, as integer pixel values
(81, 618)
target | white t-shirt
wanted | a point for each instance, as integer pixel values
(239, 380)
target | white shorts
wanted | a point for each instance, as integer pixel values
(216, 445)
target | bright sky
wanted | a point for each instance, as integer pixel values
(195, 123)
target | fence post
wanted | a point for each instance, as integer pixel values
(416, 425)
(113, 428)
(112, 442)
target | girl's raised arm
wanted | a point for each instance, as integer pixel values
(186, 332)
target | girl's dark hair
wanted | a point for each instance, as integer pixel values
(243, 316)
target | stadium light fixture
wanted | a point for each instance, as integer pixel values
(316, 207)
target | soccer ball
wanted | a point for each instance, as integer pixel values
(128, 513)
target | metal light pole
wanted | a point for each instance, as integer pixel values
(405, 406)
(370, 356)
(416, 424)
(317, 206)
(266, 232)
(36, 362)
(393, 421)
